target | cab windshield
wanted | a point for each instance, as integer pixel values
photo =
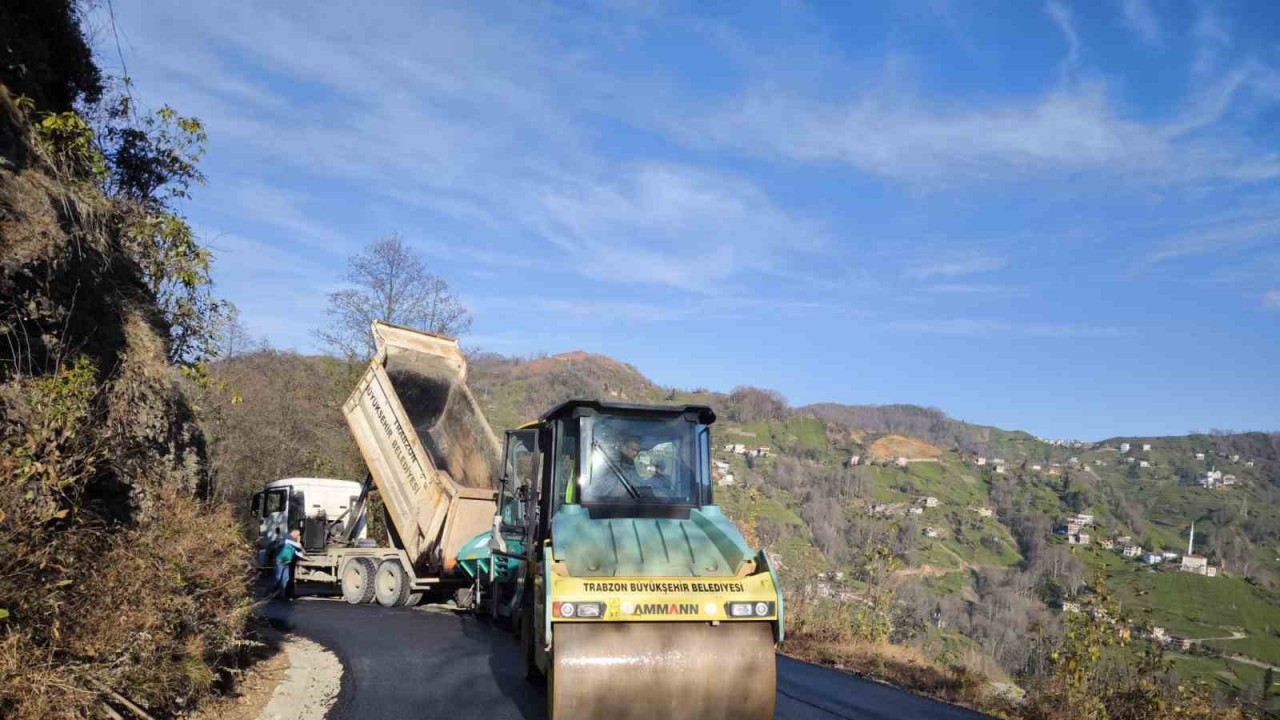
(634, 460)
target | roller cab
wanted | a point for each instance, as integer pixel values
(635, 596)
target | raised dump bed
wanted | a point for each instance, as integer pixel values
(429, 449)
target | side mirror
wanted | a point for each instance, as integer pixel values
(496, 541)
(522, 493)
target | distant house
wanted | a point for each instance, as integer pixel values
(916, 511)
(1106, 544)
(1144, 464)
(997, 461)
(1235, 458)
(1000, 470)
(764, 451)
(1070, 607)
(1078, 539)
(1159, 634)
(720, 465)
(736, 448)
(985, 512)
(1071, 528)
(1073, 460)
(1124, 448)
(930, 532)
(1132, 551)
(1169, 555)
(1199, 456)
(1210, 479)
(1248, 463)
(1036, 467)
(726, 479)
(854, 460)
(1123, 540)
(1197, 564)
(929, 502)
(979, 460)
(901, 462)
(1153, 558)
(1084, 518)
(1228, 480)
(1131, 460)
(880, 509)
(1146, 447)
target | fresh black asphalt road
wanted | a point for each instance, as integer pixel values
(414, 663)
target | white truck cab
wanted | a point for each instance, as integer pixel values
(311, 505)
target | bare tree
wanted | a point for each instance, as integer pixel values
(390, 283)
(231, 337)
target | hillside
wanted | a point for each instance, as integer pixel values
(979, 568)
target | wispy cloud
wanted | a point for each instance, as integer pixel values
(1221, 237)
(956, 267)
(1061, 16)
(973, 289)
(1141, 18)
(979, 327)
(672, 225)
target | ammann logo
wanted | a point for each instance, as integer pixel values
(667, 609)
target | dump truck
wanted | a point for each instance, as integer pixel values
(634, 595)
(433, 459)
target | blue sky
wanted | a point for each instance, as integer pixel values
(1062, 217)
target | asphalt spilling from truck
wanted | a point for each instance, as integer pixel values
(434, 663)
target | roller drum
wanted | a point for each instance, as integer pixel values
(672, 671)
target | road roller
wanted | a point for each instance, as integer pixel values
(633, 594)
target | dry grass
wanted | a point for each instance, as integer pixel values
(830, 632)
(152, 606)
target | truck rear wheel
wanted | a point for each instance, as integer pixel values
(391, 584)
(357, 581)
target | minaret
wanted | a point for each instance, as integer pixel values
(1191, 541)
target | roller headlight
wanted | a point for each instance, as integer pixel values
(740, 609)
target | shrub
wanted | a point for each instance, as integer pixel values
(87, 604)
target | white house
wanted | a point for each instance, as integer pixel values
(1124, 448)
(1000, 470)
(929, 501)
(1199, 456)
(1195, 564)
(1235, 458)
(1248, 463)
(1144, 464)
(1210, 479)
(930, 532)
(1084, 518)
(979, 460)
(1153, 558)
(726, 479)
(1131, 551)
(1169, 555)
(763, 451)
(854, 460)
(916, 511)
(1228, 480)
(720, 465)
(1146, 447)
(1036, 467)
